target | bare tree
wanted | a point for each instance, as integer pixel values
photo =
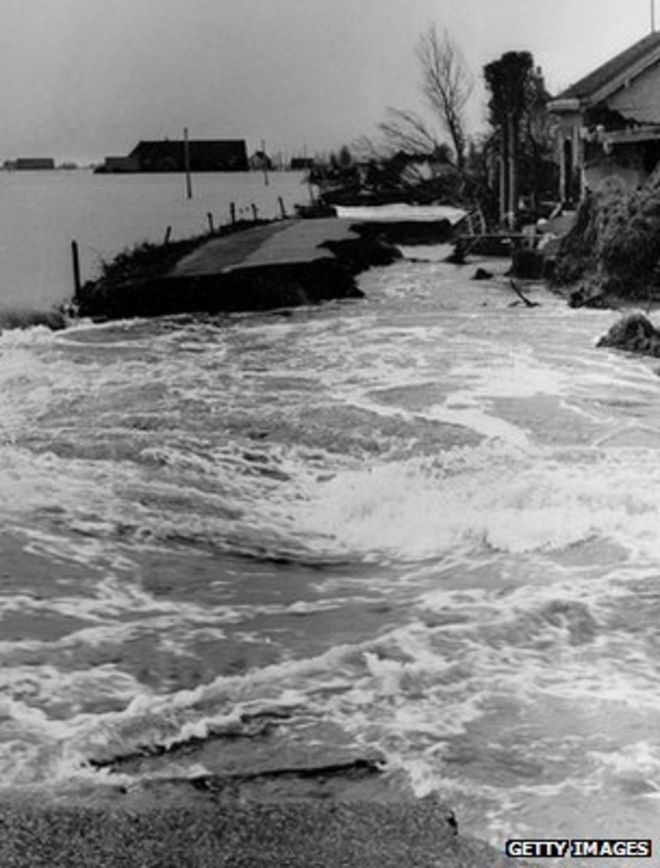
(406, 131)
(447, 83)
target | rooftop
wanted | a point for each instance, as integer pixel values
(632, 60)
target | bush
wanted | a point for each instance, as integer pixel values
(615, 241)
(576, 254)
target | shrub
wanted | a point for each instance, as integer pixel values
(615, 241)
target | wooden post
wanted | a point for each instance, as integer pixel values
(265, 162)
(255, 212)
(209, 217)
(282, 208)
(75, 258)
(186, 162)
(168, 233)
(232, 212)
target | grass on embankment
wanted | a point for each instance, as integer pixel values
(151, 261)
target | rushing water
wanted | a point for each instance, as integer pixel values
(425, 523)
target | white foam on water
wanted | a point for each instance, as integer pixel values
(477, 420)
(519, 374)
(106, 602)
(497, 498)
(26, 337)
(640, 759)
(33, 743)
(409, 693)
(347, 683)
(136, 438)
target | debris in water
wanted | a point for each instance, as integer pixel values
(634, 333)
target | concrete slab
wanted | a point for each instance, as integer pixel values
(234, 835)
(216, 255)
(283, 243)
(300, 242)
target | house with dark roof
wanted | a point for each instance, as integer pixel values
(260, 161)
(169, 155)
(299, 164)
(609, 121)
(33, 163)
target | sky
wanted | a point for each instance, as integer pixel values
(83, 79)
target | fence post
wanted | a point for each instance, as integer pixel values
(75, 257)
(282, 208)
(255, 212)
(209, 217)
(232, 212)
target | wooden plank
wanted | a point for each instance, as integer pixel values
(500, 236)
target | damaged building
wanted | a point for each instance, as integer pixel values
(609, 122)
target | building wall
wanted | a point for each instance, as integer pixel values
(570, 154)
(641, 99)
(300, 163)
(215, 155)
(623, 164)
(120, 164)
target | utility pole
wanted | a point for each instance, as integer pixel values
(186, 162)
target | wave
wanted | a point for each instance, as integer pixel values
(54, 319)
(492, 498)
(278, 504)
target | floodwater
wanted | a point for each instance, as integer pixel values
(422, 524)
(41, 213)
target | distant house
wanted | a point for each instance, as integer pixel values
(32, 163)
(168, 155)
(115, 165)
(260, 160)
(609, 121)
(298, 164)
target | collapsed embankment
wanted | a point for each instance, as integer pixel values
(232, 275)
(259, 289)
(612, 254)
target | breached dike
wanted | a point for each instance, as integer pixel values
(263, 267)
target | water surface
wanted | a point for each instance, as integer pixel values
(424, 524)
(42, 212)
